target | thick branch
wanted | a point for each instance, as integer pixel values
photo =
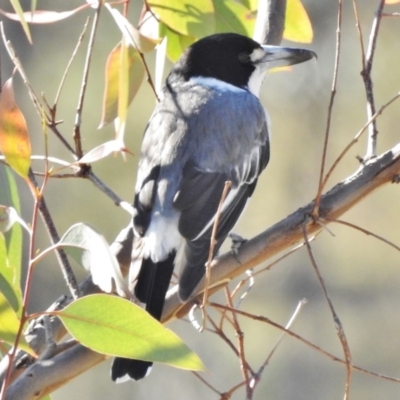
(280, 237)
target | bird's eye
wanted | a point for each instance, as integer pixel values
(244, 58)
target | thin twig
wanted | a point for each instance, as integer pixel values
(18, 65)
(53, 127)
(66, 268)
(359, 32)
(305, 341)
(367, 232)
(357, 136)
(78, 44)
(227, 395)
(213, 239)
(366, 74)
(336, 320)
(110, 193)
(250, 281)
(257, 376)
(225, 338)
(315, 210)
(78, 116)
(198, 376)
(242, 354)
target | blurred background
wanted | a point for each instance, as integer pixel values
(362, 274)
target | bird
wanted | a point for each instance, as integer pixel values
(209, 128)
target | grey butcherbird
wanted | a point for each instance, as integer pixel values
(209, 128)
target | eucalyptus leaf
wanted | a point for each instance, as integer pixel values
(117, 327)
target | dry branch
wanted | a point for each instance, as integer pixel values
(45, 375)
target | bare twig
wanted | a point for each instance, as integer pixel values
(241, 351)
(305, 341)
(393, 14)
(198, 376)
(66, 268)
(336, 320)
(78, 116)
(213, 240)
(366, 74)
(357, 137)
(257, 376)
(78, 44)
(108, 191)
(18, 65)
(367, 232)
(359, 32)
(315, 211)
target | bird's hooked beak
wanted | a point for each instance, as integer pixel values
(277, 56)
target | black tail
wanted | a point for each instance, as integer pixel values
(151, 288)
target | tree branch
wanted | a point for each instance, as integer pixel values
(42, 377)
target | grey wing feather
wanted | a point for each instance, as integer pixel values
(239, 157)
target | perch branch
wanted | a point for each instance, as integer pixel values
(41, 377)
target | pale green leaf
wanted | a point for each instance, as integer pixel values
(42, 16)
(103, 150)
(131, 79)
(90, 250)
(117, 327)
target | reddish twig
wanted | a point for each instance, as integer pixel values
(367, 232)
(336, 320)
(242, 355)
(213, 239)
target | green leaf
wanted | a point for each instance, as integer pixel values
(18, 10)
(232, 16)
(187, 17)
(124, 68)
(90, 250)
(117, 327)
(9, 325)
(10, 244)
(14, 138)
(250, 4)
(297, 24)
(176, 43)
